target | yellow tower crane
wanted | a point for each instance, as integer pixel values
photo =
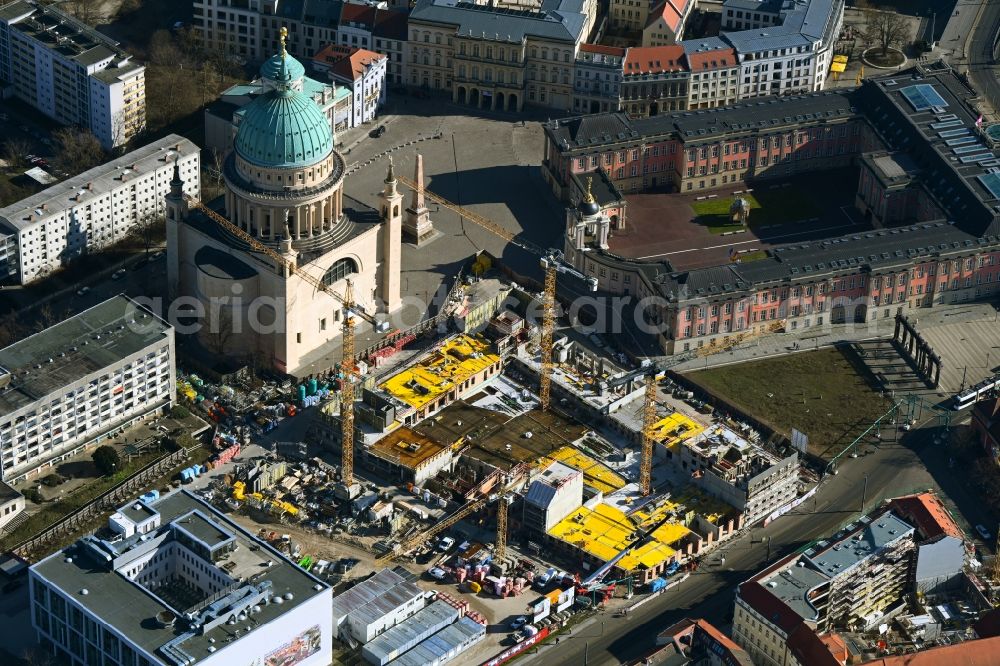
(552, 261)
(501, 549)
(347, 364)
(648, 422)
(347, 391)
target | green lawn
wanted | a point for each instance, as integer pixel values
(768, 206)
(820, 393)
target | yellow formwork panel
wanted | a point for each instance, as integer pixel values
(458, 359)
(605, 531)
(595, 473)
(675, 428)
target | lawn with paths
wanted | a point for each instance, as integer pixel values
(821, 393)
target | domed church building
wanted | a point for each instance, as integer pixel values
(285, 188)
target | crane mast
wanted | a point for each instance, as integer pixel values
(648, 421)
(501, 545)
(347, 391)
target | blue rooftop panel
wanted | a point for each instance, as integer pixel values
(923, 96)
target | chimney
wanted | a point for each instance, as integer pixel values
(90, 186)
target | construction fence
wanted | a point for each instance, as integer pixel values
(111, 498)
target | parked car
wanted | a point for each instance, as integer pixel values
(82, 291)
(445, 544)
(118, 274)
(518, 622)
(984, 533)
(377, 132)
(437, 573)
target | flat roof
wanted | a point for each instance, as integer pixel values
(792, 586)
(455, 361)
(197, 525)
(605, 530)
(137, 511)
(105, 334)
(596, 474)
(61, 32)
(407, 447)
(459, 421)
(511, 444)
(131, 609)
(858, 542)
(78, 190)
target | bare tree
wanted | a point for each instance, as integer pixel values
(220, 329)
(15, 149)
(85, 10)
(148, 228)
(11, 329)
(885, 29)
(46, 317)
(79, 150)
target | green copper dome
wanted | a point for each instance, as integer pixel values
(271, 69)
(283, 128)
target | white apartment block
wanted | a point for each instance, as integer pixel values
(71, 73)
(93, 210)
(784, 47)
(80, 380)
(173, 582)
(249, 29)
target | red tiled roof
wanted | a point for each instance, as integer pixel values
(689, 627)
(982, 652)
(715, 59)
(773, 609)
(600, 48)
(654, 60)
(390, 25)
(931, 518)
(814, 650)
(347, 62)
(332, 53)
(362, 14)
(671, 11)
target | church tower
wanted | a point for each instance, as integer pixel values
(175, 209)
(392, 220)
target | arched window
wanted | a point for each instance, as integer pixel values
(341, 269)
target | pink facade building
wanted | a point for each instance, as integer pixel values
(928, 185)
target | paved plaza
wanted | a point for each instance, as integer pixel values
(489, 165)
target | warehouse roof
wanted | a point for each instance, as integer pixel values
(436, 614)
(96, 338)
(444, 645)
(132, 610)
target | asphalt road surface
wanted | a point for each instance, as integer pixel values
(893, 469)
(982, 54)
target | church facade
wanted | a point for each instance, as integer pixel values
(284, 187)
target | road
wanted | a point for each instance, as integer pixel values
(893, 469)
(983, 66)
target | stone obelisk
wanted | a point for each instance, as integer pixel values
(418, 227)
